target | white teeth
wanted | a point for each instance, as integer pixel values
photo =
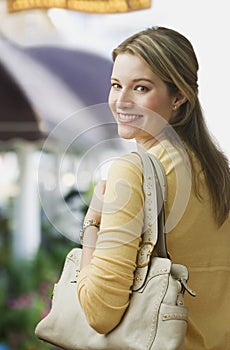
(128, 116)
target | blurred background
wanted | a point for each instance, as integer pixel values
(57, 136)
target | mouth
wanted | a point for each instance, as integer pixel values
(128, 118)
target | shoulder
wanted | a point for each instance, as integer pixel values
(174, 158)
(124, 186)
(127, 167)
(127, 162)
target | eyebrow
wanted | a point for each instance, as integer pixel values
(136, 80)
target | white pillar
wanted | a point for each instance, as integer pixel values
(26, 221)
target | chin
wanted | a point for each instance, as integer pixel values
(126, 132)
(126, 136)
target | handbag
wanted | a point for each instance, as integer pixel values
(156, 317)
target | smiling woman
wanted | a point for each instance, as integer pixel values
(154, 91)
(135, 94)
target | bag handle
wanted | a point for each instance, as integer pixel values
(153, 233)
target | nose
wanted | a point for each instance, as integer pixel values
(124, 99)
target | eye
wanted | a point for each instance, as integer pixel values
(141, 88)
(116, 85)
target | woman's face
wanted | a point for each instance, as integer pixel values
(139, 100)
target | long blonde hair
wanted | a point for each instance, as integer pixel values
(171, 56)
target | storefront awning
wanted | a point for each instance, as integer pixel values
(42, 86)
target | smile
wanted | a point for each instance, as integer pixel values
(128, 117)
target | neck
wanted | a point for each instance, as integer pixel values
(147, 144)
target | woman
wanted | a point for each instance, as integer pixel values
(155, 75)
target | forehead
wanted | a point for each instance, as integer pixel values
(130, 66)
(129, 61)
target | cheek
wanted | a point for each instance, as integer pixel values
(158, 105)
(111, 96)
(149, 102)
(111, 102)
(152, 103)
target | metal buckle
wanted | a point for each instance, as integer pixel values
(148, 254)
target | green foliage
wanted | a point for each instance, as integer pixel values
(26, 289)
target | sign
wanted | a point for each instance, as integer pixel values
(91, 6)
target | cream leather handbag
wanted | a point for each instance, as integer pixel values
(156, 318)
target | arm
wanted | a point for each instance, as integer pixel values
(90, 234)
(105, 283)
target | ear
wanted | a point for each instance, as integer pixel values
(178, 100)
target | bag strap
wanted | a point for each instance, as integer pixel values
(153, 233)
(161, 187)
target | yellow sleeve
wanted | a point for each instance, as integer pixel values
(104, 286)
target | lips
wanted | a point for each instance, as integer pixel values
(128, 118)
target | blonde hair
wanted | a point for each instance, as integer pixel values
(171, 56)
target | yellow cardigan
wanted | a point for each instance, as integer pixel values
(193, 239)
